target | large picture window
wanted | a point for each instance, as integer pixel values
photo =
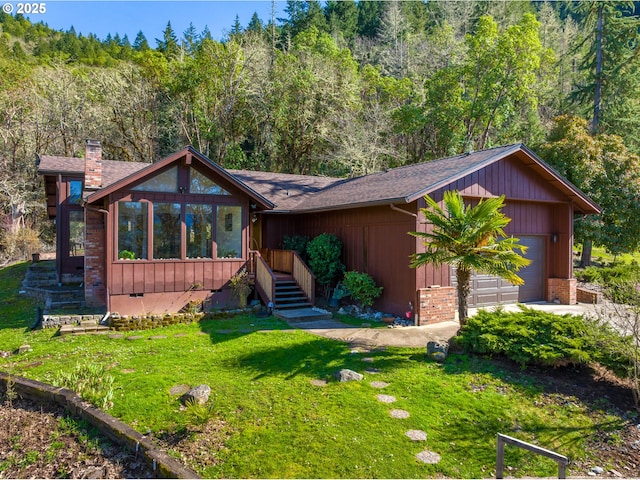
(229, 231)
(76, 233)
(199, 220)
(167, 231)
(132, 230)
(166, 181)
(199, 183)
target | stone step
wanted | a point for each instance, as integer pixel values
(80, 330)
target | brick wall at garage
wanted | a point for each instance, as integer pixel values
(435, 304)
(562, 290)
(95, 292)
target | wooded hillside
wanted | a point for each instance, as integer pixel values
(341, 88)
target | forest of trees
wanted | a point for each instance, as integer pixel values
(340, 88)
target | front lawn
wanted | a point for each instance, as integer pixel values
(267, 418)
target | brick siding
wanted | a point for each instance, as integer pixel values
(93, 165)
(435, 304)
(94, 260)
(562, 290)
(588, 296)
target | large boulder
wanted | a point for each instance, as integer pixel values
(437, 351)
(199, 395)
(346, 375)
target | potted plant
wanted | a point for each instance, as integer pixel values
(339, 293)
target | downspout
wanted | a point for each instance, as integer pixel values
(393, 207)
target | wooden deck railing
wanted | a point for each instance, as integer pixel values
(266, 261)
(265, 279)
(303, 275)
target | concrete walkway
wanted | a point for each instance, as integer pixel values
(415, 336)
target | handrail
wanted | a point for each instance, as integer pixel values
(502, 439)
(304, 276)
(265, 280)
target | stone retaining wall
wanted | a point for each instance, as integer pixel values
(588, 296)
(55, 321)
(164, 465)
(136, 322)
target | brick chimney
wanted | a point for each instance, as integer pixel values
(93, 165)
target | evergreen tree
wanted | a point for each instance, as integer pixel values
(255, 24)
(169, 43)
(140, 43)
(369, 15)
(342, 16)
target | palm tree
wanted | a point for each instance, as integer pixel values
(469, 238)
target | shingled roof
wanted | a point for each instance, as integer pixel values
(306, 193)
(112, 170)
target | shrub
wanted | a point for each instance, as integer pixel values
(241, 287)
(324, 258)
(529, 337)
(297, 243)
(362, 288)
(606, 275)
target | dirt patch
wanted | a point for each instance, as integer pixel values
(39, 441)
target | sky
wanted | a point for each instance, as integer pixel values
(149, 16)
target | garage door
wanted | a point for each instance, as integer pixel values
(492, 290)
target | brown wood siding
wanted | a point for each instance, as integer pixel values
(175, 276)
(159, 276)
(508, 177)
(375, 241)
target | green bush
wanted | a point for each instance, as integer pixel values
(297, 243)
(324, 258)
(529, 337)
(362, 287)
(606, 275)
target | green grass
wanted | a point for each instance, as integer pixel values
(599, 255)
(277, 424)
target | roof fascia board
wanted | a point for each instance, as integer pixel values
(373, 203)
(443, 183)
(563, 184)
(190, 153)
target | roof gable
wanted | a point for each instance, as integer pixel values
(189, 156)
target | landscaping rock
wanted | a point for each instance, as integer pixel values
(4, 354)
(369, 359)
(373, 371)
(386, 398)
(428, 457)
(346, 375)
(397, 413)
(416, 435)
(179, 390)
(199, 395)
(318, 383)
(379, 384)
(437, 351)
(23, 349)
(598, 470)
(135, 337)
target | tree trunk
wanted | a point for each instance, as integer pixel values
(464, 287)
(585, 260)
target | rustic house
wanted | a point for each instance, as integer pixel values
(151, 237)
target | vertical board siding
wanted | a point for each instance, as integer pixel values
(375, 241)
(176, 276)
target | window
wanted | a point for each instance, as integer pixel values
(229, 231)
(166, 181)
(199, 220)
(198, 183)
(132, 230)
(75, 191)
(76, 233)
(167, 231)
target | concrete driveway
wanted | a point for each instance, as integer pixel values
(415, 336)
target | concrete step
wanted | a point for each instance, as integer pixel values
(304, 314)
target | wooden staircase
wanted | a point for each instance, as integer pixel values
(289, 294)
